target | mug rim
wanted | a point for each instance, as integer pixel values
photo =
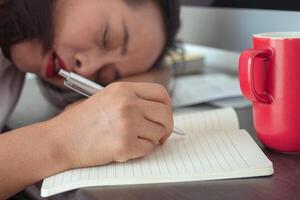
(278, 35)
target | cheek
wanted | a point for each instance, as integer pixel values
(72, 40)
(78, 30)
(28, 58)
(145, 60)
(135, 66)
(32, 66)
(143, 54)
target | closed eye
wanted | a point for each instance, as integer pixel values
(105, 37)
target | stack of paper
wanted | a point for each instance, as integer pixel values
(208, 88)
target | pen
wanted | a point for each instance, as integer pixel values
(88, 88)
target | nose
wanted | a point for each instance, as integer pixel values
(88, 64)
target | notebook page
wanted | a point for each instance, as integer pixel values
(200, 155)
(219, 119)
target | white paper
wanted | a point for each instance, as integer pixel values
(196, 89)
(236, 102)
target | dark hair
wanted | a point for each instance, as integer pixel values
(22, 20)
(171, 14)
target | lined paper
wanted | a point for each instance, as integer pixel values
(213, 148)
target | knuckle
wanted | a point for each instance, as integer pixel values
(161, 129)
(160, 88)
(117, 86)
(169, 121)
(162, 132)
(127, 104)
(170, 126)
(169, 111)
(163, 93)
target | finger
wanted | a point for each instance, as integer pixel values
(165, 138)
(158, 113)
(151, 131)
(142, 148)
(151, 92)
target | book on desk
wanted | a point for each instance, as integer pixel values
(185, 60)
(214, 148)
(190, 79)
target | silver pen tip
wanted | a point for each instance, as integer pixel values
(178, 131)
(64, 73)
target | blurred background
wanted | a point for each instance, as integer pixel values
(230, 24)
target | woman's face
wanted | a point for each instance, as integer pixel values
(99, 39)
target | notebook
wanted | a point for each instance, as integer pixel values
(213, 148)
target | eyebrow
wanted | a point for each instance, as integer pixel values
(125, 40)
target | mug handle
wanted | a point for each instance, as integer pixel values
(246, 75)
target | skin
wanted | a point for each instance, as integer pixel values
(126, 120)
(95, 43)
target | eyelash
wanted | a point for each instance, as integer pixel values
(104, 40)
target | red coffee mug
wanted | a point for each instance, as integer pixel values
(270, 77)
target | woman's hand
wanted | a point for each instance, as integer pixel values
(68, 107)
(124, 121)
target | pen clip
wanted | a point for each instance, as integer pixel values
(76, 89)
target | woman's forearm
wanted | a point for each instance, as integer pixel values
(27, 155)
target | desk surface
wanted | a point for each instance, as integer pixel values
(284, 184)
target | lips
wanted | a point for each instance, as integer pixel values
(55, 63)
